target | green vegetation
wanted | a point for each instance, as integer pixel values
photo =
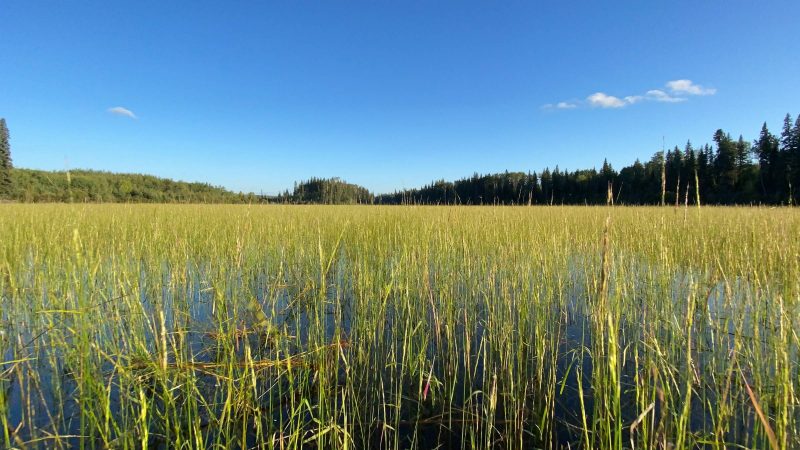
(726, 174)
(327, 191)
(6, 166)
(732, 172)
(93, 186)
(195, 326)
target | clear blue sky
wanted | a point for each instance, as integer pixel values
(388, 94)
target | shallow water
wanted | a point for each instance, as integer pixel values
(44, 393)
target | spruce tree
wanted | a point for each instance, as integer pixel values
(5, 161)
(742, 153)
(725, 167)
(766, 149)
(785, 154)
(689, 162)
(786, 134)
(794, 158)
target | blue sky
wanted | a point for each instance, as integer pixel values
(388, 94)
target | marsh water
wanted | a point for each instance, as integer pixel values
(444, 405)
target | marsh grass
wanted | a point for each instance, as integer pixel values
(398, 327)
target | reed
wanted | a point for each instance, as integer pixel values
(198, 326)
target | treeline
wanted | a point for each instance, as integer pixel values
(29, 185)
(732, 171)
(327, 191)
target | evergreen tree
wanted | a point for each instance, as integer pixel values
(704, 178)
(5, 161)
(725, 167)
(689, 171)
(674, 170)
(766, 150)
(557, 196)
(742, 153)
(532, 188)
(632, 181)
(786, 134)
(747, 176)
(329, 191)
(731, 172)
(546, 180)
(794, 157)
(689, 162)
(656, 182)
(785, 154)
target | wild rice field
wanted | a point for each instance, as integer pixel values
(346, 327)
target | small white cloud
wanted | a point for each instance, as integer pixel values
(560, 105)
(687, 87)
(120, 111)
(677, 91)
(602, 100)
(658, 95)
(631, 99)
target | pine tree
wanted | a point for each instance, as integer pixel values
(689, 162)
(747, 178)
(5, 161)
(786, 134)
(766, 150)
(742, 153)
(546, 180)
(725, 167)
(785, 154)
(674, 171)
(794, 157)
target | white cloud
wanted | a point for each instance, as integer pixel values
(560, 105)
(602, 100)
(120, 111)
(631, 99)
(677, 91)
(687, 87)
(658, 95)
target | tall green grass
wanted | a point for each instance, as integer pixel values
(398, 327)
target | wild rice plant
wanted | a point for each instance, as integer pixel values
(289, 327)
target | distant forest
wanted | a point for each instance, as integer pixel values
(731, 171)
(82, 186)
(328, 191)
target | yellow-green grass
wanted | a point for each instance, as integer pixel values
(398, 327)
